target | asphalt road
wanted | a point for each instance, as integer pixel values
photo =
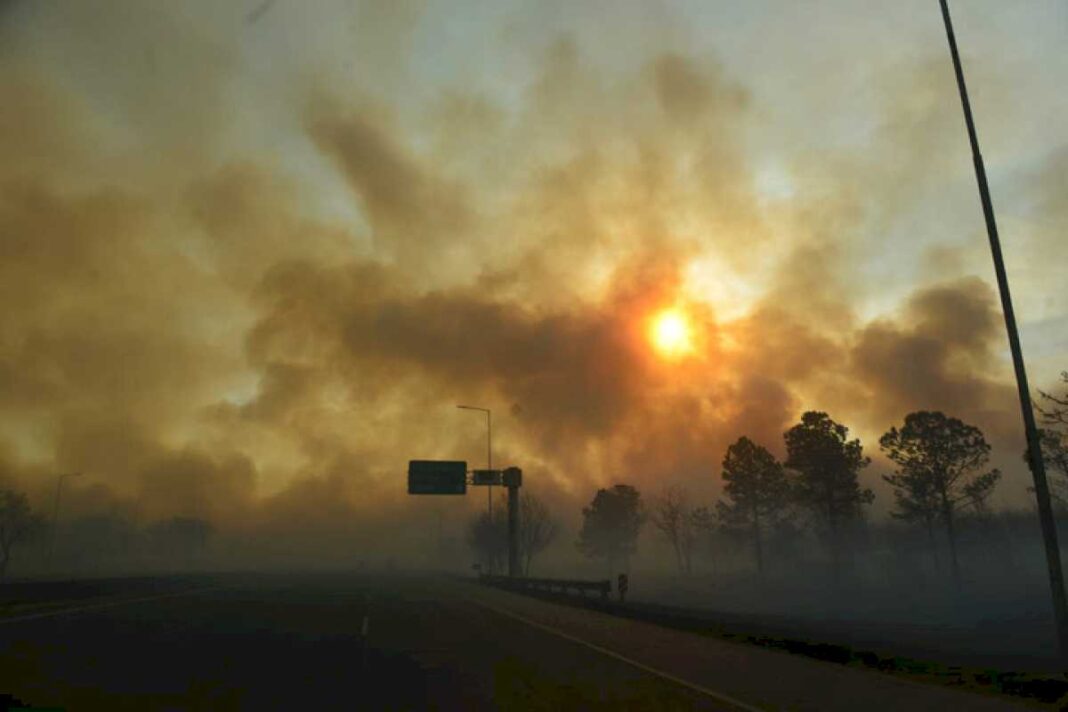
(312, 642)
(298, 642)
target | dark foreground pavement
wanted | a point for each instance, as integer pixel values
(310, 642)
(297, 642)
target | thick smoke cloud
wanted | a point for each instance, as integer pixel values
(939, 353)
(249, 287)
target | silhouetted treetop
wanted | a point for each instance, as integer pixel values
(935, 446)
(610, 525)
(827, 463)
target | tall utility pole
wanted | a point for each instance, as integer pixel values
(55, 514)
(489, 448)
(1034, 448)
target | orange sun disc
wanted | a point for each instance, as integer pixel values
(671, 333)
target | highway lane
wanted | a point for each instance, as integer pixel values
(298, 642)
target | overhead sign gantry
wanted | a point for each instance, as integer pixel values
(450, 477)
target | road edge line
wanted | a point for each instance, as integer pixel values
(612, 654)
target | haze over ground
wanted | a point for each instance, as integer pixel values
(252, 260)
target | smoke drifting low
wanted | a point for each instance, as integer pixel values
(247, 284)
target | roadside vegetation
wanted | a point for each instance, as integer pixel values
(96, 544)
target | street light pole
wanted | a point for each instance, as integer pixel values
(489, 448)
(55, 514)
(1034, 448)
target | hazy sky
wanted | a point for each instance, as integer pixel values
(252, 254)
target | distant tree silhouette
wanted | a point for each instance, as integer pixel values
(488, 539)
(1055, 411)
(180, 540)
(939, 459)
(1054, 439)
(756, 493)
(1055, 455)
(706, 533)
(826, 464)
(610, 526)
(537, 528)
(18, 522)
(671, 513)
(97, 540)
(785, 537)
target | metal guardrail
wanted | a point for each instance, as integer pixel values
(549, 585)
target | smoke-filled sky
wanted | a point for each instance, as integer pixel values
(253, 254)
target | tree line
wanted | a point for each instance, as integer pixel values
(96, 541)
(941, 472)
(941, 468)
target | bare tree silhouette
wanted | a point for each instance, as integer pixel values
(488, 539)
(537, 528)
(671, 513)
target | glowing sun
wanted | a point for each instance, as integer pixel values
(671, 333)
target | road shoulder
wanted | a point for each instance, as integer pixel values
(765, 678)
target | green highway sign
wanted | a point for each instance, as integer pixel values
(485, 477)
(437, 477)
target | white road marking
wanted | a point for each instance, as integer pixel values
(612, 654)
(105, 604)
(363, 626)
